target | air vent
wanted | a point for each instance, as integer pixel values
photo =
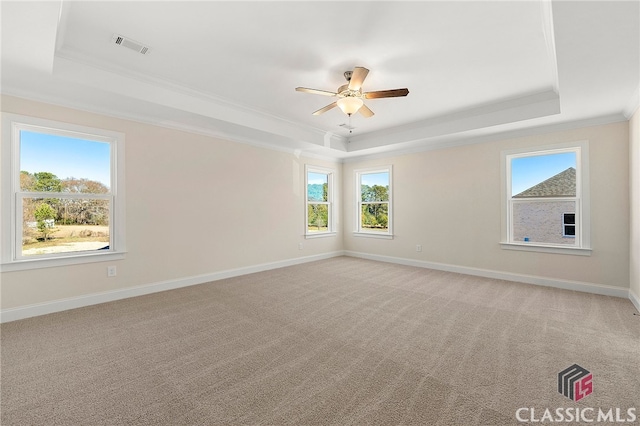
(130, 44)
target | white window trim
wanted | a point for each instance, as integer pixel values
(331, 226)
(359, 232)
(10, 230)
(583, 205)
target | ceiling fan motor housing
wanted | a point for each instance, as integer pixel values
(344, 91)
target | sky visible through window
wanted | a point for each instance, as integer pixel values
(65, 157)
(316, 178)
(530, 171)
(371, 179)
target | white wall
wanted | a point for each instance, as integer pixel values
(634, 161)
(449, 202)
(196, 205)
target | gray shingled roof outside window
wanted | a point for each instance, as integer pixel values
(561, 185)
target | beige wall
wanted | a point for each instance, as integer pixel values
(196, 205)
(634, 160)
(449, 201)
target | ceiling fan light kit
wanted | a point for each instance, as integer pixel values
(350, 104)
(351, 96)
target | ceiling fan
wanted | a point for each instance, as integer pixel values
(351, 95)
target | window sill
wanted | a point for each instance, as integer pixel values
(320, 235)
(576, 251)
(52, 262)
(372, 235)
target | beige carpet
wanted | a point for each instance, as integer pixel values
(339, 342)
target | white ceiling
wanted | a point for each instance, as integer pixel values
(229, 69)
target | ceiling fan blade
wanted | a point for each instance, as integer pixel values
(325, 109)
(357, 78)
(365, 111)
(393, 93)
(316, 91)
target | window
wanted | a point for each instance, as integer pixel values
(374, 206)
(320, 219)
(66, 201)
(546, 200)
(569, 225)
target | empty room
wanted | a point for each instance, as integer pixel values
(320, 213)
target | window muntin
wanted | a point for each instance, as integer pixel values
(374, 207)
(67, 200)
(320, 218)
(544, 194)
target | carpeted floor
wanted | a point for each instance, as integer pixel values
(338, 342)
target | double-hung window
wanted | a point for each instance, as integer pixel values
(63, 193)
(547, 199)
(320, 220)
(374, 208)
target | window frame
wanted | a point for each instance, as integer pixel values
(11, 258)
(359, 230)
(582, 246)
(331, 222)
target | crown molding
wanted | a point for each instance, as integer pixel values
(524, 107)
(326, 153)
(308, 151)
(166, 94)
(633, 104)
(445, 142)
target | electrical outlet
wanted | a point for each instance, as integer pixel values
(418, 247)
(299, 246)
(111, 271)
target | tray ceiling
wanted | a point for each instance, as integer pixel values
(230, 68)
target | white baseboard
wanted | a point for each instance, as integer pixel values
(13, 314)
(487, 273)
(635, 299)
(22, 312)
